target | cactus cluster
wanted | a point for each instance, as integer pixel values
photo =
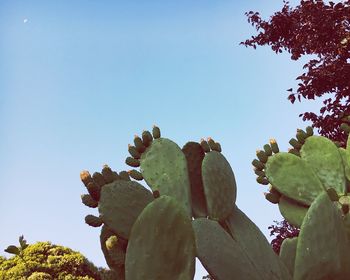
(310, 184)
(191, 211)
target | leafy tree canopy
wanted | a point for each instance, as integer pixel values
(45, 261)
(323, 31)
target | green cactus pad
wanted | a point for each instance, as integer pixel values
(120, 204)
(322, 250)
(323, 156)
(293, 177)
(345, 155)
(161, 244)
(219, 185)
(164, 168)
(194, 155)
(292, 211)
(288, 252)
(255, 245)
(221, 255)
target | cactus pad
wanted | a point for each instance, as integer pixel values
(219, 185)
(256, 247)
(323, 156)
(161, 244)
(194, 155)
(322, 250)
(120, 204)
(221, 255)
(292, 211)
(115, 250)
(293, 177)
(164, 168)
(117, 267)
(287, 253)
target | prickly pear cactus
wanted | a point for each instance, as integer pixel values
(191, 211)
(310, 184)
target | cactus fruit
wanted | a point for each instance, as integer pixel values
(309, 131)
(267, 149)
(139, 144)
(135, 175)
(274, 146)
(262, 180)
(156, 194)
(294, 152)
(147, 138)
(301, 136)
(345, 127)
(98, 179)
(132, 162)
(133, 152)
(124, 175)
(108, 174)
(333, 195)
(156, 132)
(258, 164)
(295, 143)
(85, 177)
(262, 156)
(272, 197)
(93, 221)
(205, 146)
(88, 200)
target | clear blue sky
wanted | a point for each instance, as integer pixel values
(79, 78)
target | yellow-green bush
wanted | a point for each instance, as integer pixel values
(45, 261)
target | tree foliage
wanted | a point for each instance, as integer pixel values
(45, 261)
(282, 230)
(322, 31)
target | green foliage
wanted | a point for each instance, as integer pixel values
(12, 249)
(44, 261)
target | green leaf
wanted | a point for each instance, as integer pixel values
(12, 249)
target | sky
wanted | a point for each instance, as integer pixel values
(78, 79)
